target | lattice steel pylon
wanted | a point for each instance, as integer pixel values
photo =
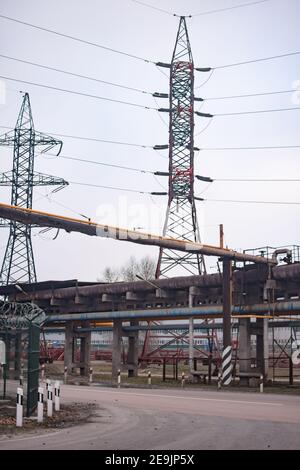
(181, 217)
(18, 263)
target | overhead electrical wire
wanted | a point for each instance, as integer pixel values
(249, 95)
(203, 13)
(128, 103)
(129, 190)
(138, 90)
(74, 38)
(253, 61)
(64, 90)
(142, 58)
(242, 5)
(73, 74)
(203, 149)
(140, 170)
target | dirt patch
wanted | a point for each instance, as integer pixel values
(69, 415)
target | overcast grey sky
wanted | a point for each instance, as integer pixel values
(256, 31)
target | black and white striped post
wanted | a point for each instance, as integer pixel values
(91, 374)
(65, 374)
(40, 408)
(119, 378)
(57, 396)
(182, 380)
(219, 380)
(149, 378)
(227, 305)
(19, 412)
(50, 401)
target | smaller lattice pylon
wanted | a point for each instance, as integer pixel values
(18, 263)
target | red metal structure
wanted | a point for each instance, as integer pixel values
(181, 218)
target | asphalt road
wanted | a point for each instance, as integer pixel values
(138, 419)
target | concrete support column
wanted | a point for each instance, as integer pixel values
(133, 351)
(244, 350)
(262, 346)
(69, 347)
(116, 348)
(85, 350)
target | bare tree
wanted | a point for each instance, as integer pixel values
(129, 270)
(110, 275)
(144, 268)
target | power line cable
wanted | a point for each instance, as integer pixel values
(257, 112)
(74, 38)
(66, 72)
(204, 149)
(91, 139)
(279, 147)
(64, 90)
(94, 162)
(115, 188)
(248, 95)
(154, 8)
(260, 180)
(252, 61)
(288, 203)
(229, 8)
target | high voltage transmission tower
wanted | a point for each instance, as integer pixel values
(181, 217)
(18, 263)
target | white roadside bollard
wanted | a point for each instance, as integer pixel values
(57, 396)
(49, 401)
(40, 409)
(219, 380)
(65, 374)
(261, 383)
(43, 372)
(19, 415)
(119, 378)
(91, 374)
(149, 378)
(182, 380)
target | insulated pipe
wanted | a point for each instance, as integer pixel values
(216, 311)
(43, 219)
(280, 251)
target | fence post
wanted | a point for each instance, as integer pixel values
(119, 378)
(40, 404)
(19, 415)
(57, 396)
(49, 401)
(149, 378)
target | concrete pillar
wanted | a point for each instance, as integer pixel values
(227, 305)
(244, 350)
(69, 347)
(116, 348)
(133, 351)
(262, 346)
(85, 350)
